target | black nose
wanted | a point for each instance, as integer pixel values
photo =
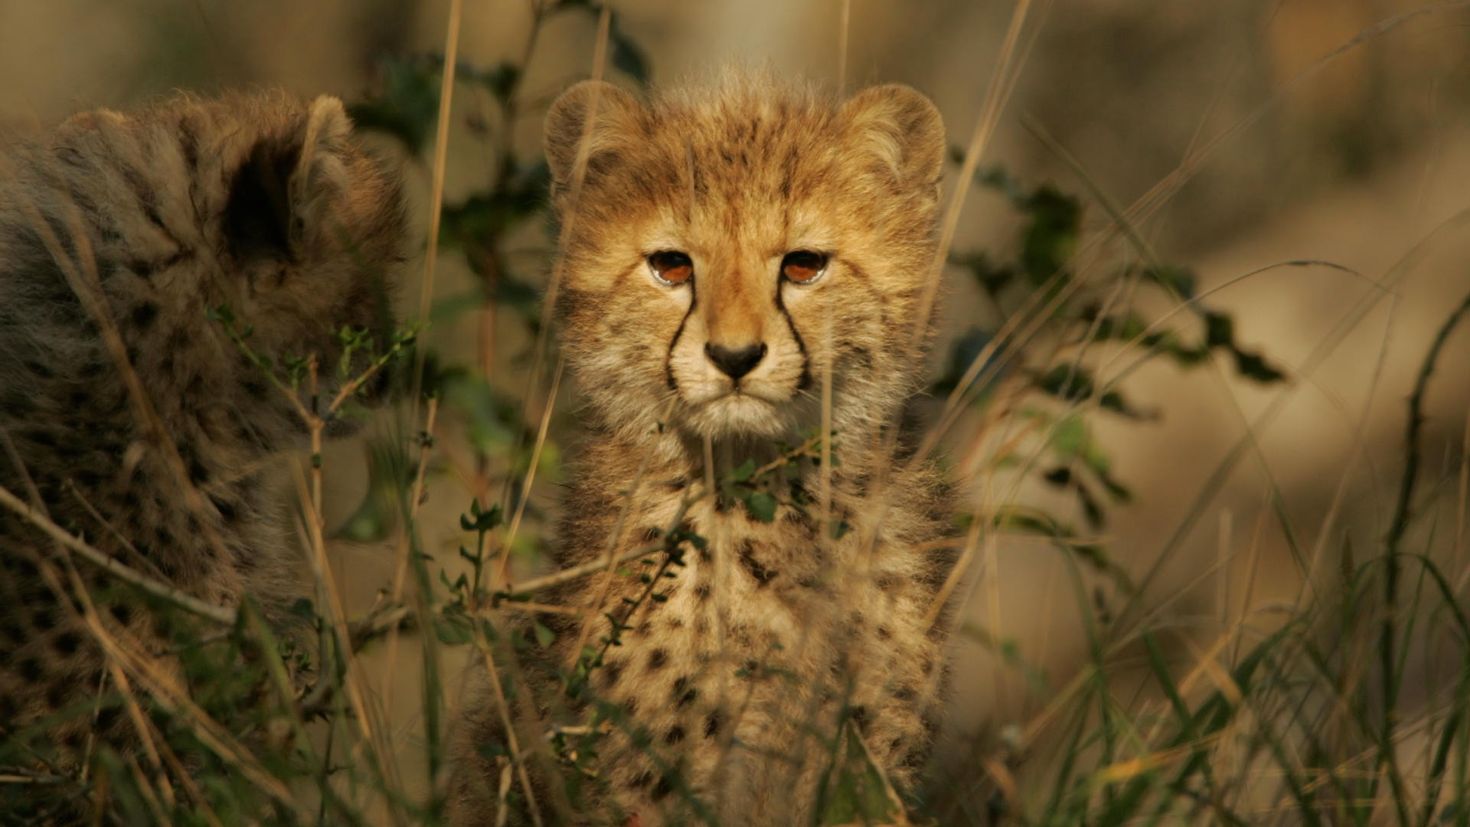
(735, 362)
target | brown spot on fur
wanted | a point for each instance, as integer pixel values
(656, 660)
(143, 315)
(66, 643)
(30, 670)
(611, 671)
(684, 692)
(762, 575)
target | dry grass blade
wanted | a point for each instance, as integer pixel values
(567, 575)
(502, 707)
(1309, 366)
(1004, 83)
(530, 480)
(356, 683)
(405, 546)
(219, 614)
(1194, 161)
(542, 347)
(436, 197)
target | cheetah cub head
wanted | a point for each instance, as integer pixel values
(260, 203)
(312, 228)
(724, 248)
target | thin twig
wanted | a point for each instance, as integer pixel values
(575, 572)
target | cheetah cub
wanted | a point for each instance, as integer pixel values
(127, 415)
(730, 254)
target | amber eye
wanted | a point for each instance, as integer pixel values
(671, 267)
(803, 266)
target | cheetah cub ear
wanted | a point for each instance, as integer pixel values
(282, 194)
(900, 129)
(587, 129)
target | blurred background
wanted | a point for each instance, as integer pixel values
(1315, 161)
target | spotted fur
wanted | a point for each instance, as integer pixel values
(723, 700)
(136, 224)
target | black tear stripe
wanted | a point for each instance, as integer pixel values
(678, 334)
(806, 375)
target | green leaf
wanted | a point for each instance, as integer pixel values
(501, 80)
(966, 350)
(453, 630)
(991, 277)
(1048, 242)
(762, 506)
(744, 472)
(854, 792)
(1069, 383)
(1091, 509)
(544, 636)
(627, 56)
(1219, 330)
(390, 473)
(1253, 366)
(1069, 437)
(1178, 280)
(483, 217)
(448, 308)
(1115, 402)
(1061, 476)
(479, 520)
(407, 106)
(491, 415)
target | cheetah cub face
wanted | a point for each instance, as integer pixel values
(723, 250)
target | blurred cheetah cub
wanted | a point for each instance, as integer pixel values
(724, 248)
(125, 413)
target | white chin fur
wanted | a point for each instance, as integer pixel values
(737, 415)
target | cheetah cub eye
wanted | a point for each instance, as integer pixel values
(803, 266)
(671, 267)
